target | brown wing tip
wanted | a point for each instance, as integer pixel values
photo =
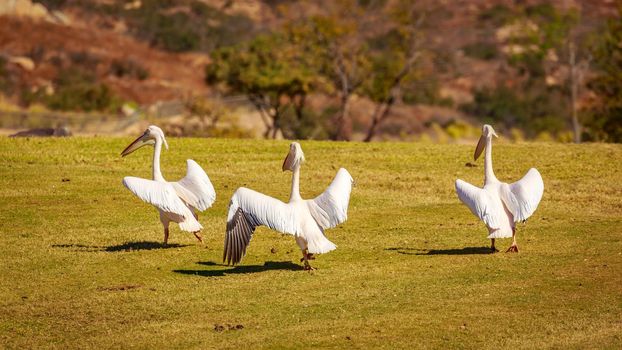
(235, 238)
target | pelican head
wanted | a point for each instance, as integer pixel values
(149, 137)
(487, 133)
(294, 158)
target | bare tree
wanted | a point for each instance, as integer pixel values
(349, 81)
(383, 108)
(270, 111)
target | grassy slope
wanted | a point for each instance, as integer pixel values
(410, 268)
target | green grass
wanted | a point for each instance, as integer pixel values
(81, 265)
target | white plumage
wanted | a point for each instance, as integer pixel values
(163, 196)
(306, 220)
(498, 204)
(176, 201)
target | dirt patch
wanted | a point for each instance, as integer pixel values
(228, 327)
(119, 288)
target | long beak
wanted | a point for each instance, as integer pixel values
(289, 160)
(481, 144)
(136, 144)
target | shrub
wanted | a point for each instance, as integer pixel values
(6, 83)
(517, 135)
(458, 129)
(425, 91)
(84, 59)
(481, 50)
(310, 126)
(497, 15)
(534, 111)
(604, 120)
(76, 90)
(128, 68)
(181, 25)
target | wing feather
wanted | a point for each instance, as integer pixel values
(480, 203)
(249, 209)
(330, 208)
(163, 196)
(523, 196)
(195, 188)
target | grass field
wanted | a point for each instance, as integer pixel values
(81, 265)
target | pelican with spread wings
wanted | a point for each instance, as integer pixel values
(306, 220)
(176, 201)
(498, 204)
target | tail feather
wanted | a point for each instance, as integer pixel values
(500, 233)
(320, 245)
(190, 225)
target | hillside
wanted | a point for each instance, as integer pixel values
(146, 52)
(115, 59)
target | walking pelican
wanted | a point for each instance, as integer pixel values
(500, 205)
(176, 201)
(306, 220)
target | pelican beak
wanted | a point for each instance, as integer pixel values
(495, 134)
(480, 147)
(288, 163)
(141, 141)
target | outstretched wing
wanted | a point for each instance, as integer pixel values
(480, 203)
(330, 208)
(249, 209)
(523, 196)
(162, 195)
(195, 188)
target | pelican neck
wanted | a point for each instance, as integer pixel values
(157, 174)
(489, 175)
(295, 194)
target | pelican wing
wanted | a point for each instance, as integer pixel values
(480, 203)
(162, 195)
(195, 188)
(249, 209)
(330, 208)
(523, 196)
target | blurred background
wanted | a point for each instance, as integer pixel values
(365, 70)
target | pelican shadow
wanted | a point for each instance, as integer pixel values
(454, 251)
(77, 247)
(125, 247)
(142, 245)
(241, 269)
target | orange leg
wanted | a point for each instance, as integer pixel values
(514, 247)
(198, 236)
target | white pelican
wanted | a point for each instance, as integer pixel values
(500, 205)
(305, 219)
(176, 201)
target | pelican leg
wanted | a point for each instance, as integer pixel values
(198, 236)
(514, 247)
(492, 247)
(305, 258)
(309, 256)
(165, 234)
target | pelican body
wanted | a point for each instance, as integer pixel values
(305, 219)
(498, 204)
(176, 201)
